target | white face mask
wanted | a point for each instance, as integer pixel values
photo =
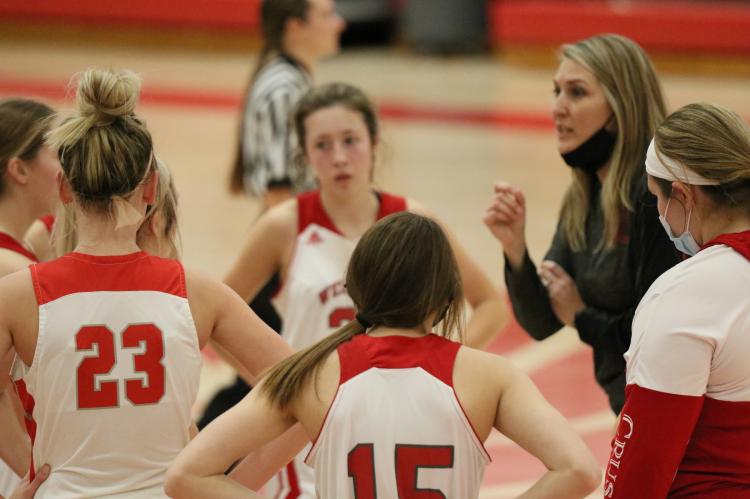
(685, 242)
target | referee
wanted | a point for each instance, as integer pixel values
(296, 35)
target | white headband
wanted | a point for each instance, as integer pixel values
(669, 169)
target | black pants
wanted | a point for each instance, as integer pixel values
(228, 396)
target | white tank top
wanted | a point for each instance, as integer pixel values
(395, 427)
(312, 301)
(114, 375)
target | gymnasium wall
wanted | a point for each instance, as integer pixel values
(682, 26)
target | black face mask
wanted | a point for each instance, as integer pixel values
(593, 153)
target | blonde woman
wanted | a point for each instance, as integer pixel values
(685, 427)
(608, 247)
(109, 336)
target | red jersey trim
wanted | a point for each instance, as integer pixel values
(49, 222)
(738, 241)
(82, 273)
(477, 440)
(27, 403)
(9, 243)
(310, 210)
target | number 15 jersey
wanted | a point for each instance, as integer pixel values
(114, 375)
(395, 427)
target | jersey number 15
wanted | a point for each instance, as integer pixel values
(409, 458)
(137, 391)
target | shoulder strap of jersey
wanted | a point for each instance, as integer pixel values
(390, 204)
(7, 242)
(310, 211)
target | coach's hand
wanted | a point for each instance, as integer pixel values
(562, 290)
(505, 217)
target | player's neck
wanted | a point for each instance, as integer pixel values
(353, 214)
(15, 218)
(381, 331)
(98, 235)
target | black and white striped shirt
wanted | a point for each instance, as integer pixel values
(268, 138)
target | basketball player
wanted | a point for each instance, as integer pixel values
(394, 410)
(27, 191)
(685, 427)
(309, 239)
(109, 336)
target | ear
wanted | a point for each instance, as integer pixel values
(63, 189)
(150, 187)
(683, 194)
(293, 26)
(18, 170)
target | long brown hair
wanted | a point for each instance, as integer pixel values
(23, 125)
(274, 15)
(402, 272)
(633, 92)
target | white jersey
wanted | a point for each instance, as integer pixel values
(313, 302)
(395, 427)
(114, 376)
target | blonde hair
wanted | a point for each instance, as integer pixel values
(714, 142)
(633, 92)
(23, 125)
(65, 236)
(105, 149)
(402, 272)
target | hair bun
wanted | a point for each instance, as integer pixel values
(104, 95)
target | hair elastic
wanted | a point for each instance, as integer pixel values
(363, 322)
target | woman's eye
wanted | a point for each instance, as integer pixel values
(578, 92)
(556, 91)
(321, 146)
(350, 140)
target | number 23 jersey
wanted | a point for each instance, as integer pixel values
(313, 301)
(115, 373)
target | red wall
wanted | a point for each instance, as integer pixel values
(235, 15)
(676, 26)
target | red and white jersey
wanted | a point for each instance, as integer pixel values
(395, 427)
(685, 427)
(312, 301)
(115, 373)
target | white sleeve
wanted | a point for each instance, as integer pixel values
(675, 335)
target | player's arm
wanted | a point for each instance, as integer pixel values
(198, 471)
(16, 447)
(489, 310)
(17, 304)
(524, 416)
(668, 373)
(222, 316)
(268, 243)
